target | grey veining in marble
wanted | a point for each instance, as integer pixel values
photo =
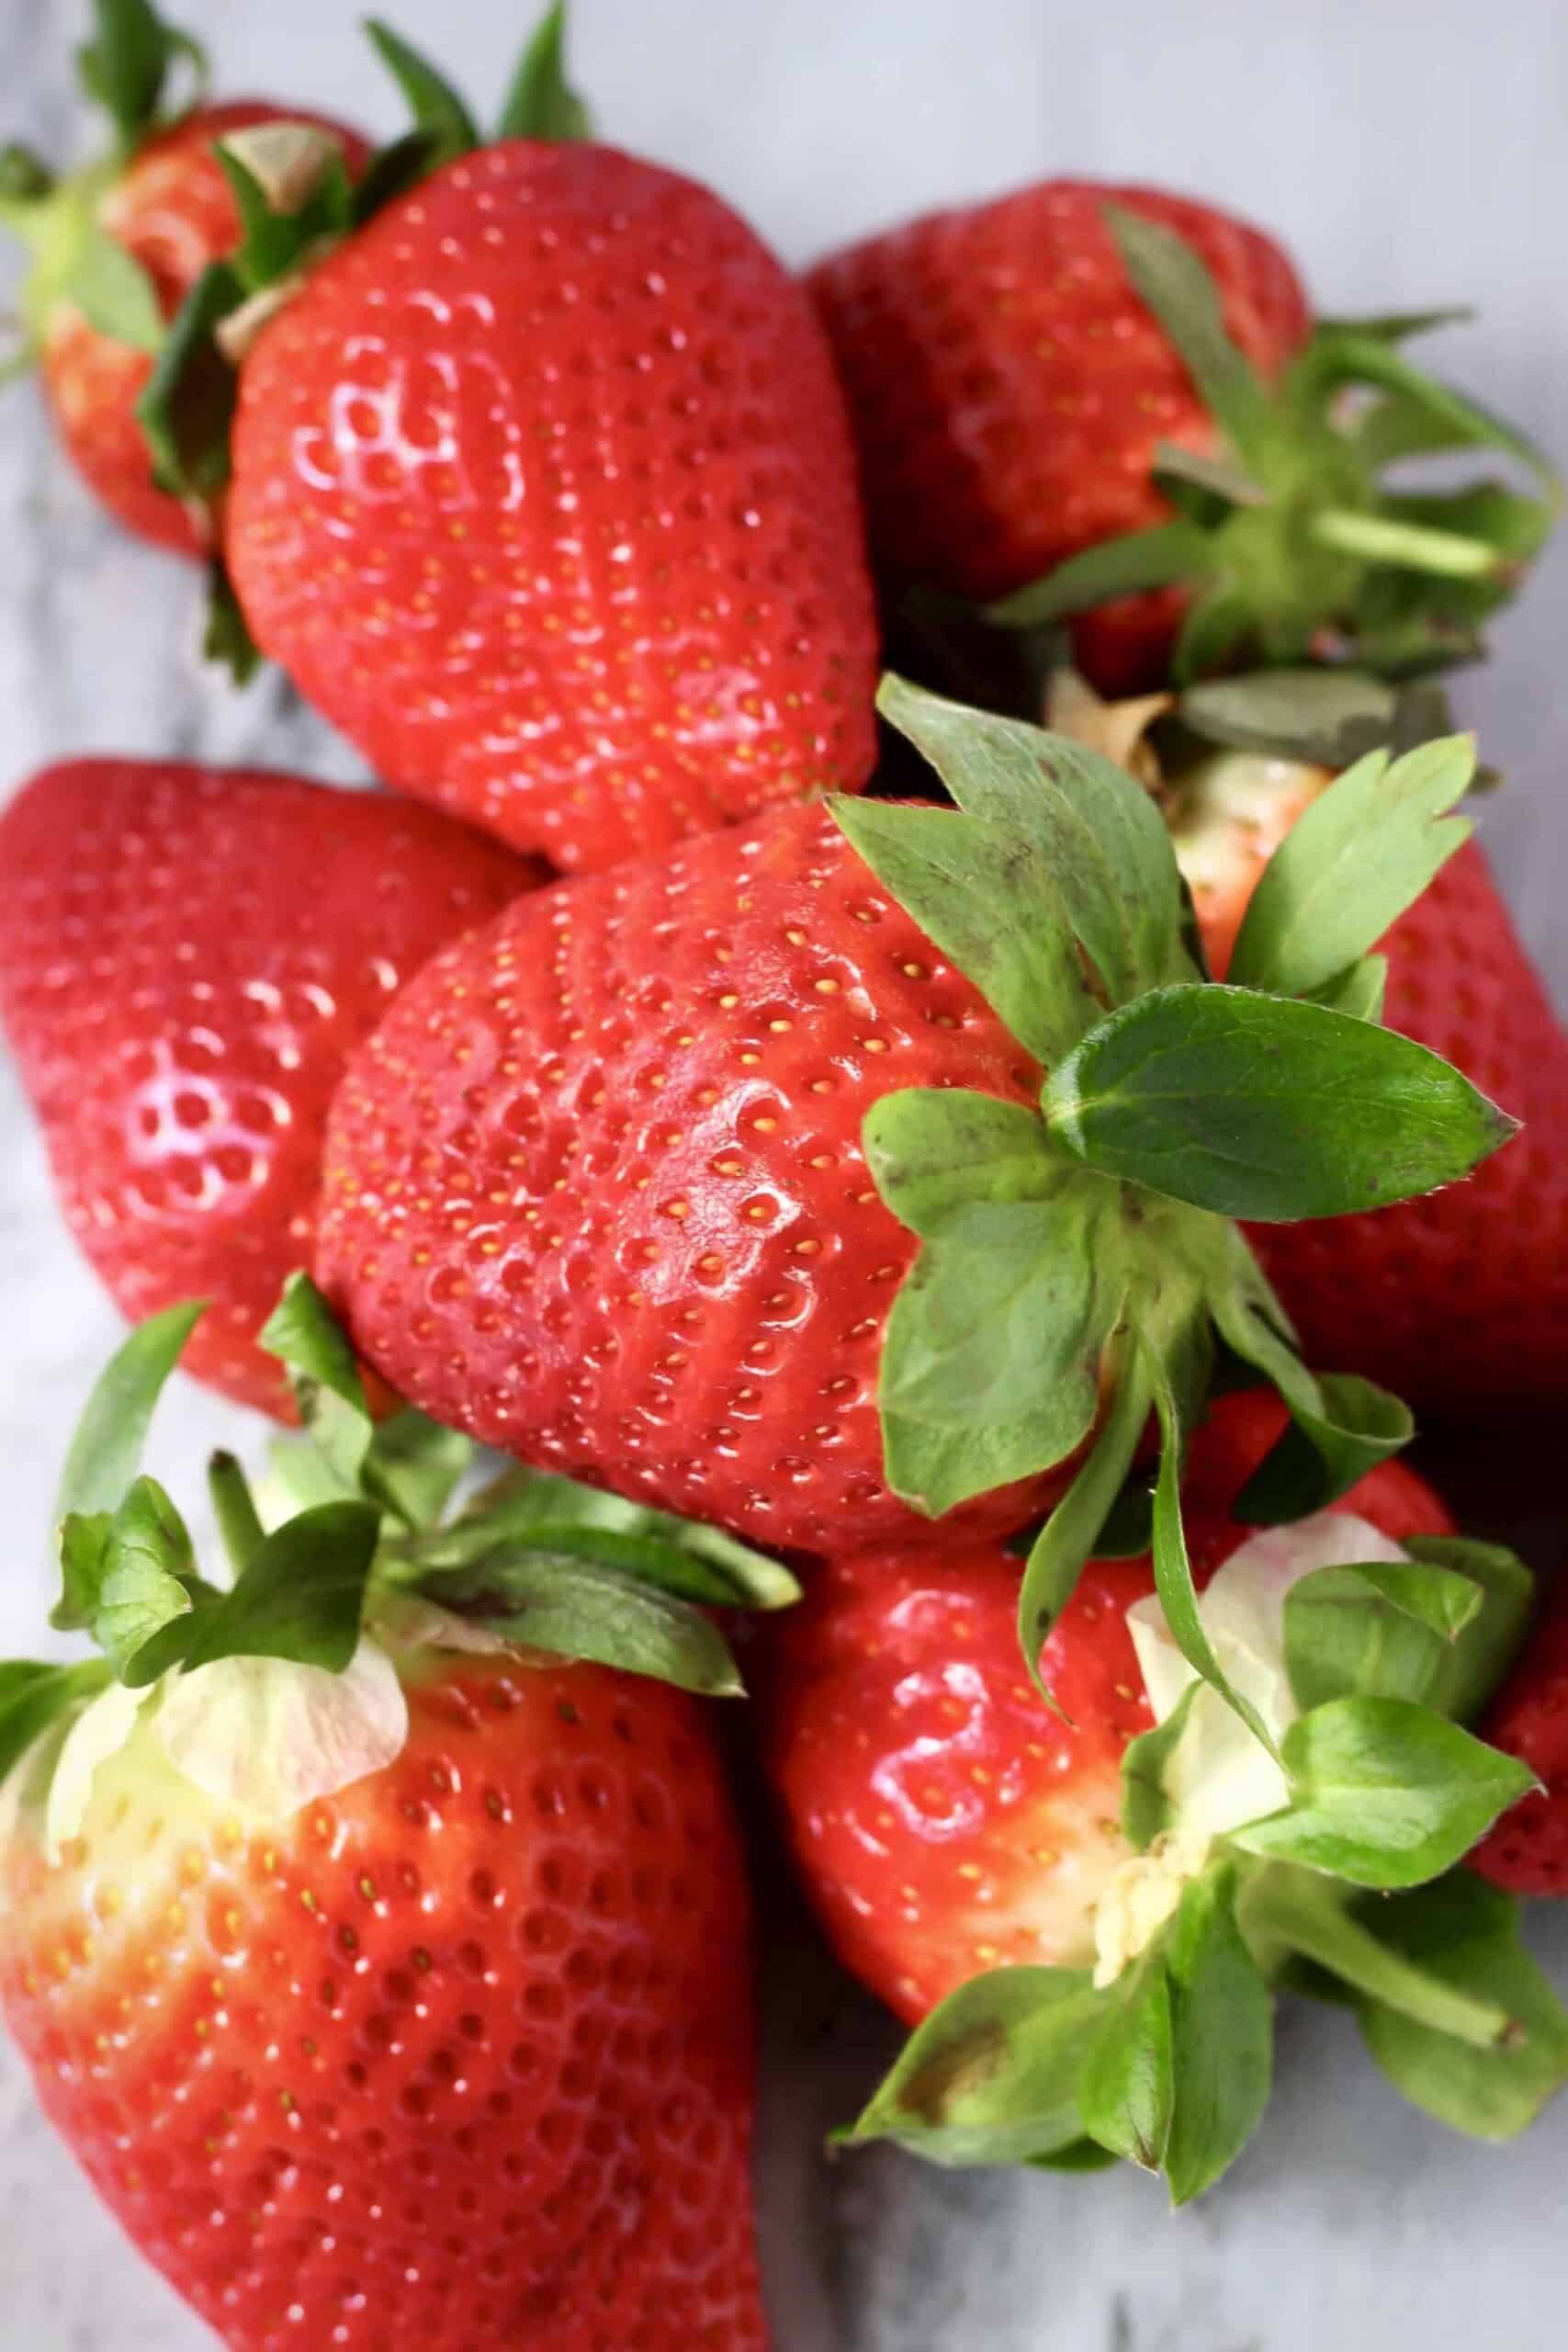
(1411, 152)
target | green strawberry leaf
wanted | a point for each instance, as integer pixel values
(1265, 1107)
(415, 1464)
(273, 241)
(1341, 1425)
(1167, 556)
(1488, 1644)
(234, 1509)
(1297, 1915)
(1147, 1809)
(1078, 2155)
(307, 1339)
(990, 902)
(536, 1509)
(1340, 355)
(990, 1366)
(1094, 830)
(186, 407)
(84, 1539)
(33, 1696)
(1386, 1793)
(1355, 859)
(300, 1597)
(579, 1609)
(1172, 281)
(438, 111)
(1465, 1933)
(226, 639)
(126, 67)
(1070, 1535)
(991, 2076)
(1127, 2089)
(1222, 2023)
(393, 170)
(149, 1578)
(106, 1448)
(113, 293)
(934, 1151)
(541, 103)
(1378, 1631)
(1326, 718)
(1360, 989)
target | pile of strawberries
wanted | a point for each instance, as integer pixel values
(973, 1174)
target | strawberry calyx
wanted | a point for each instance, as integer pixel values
(283, 1682)
(1079, 1267)
(1293, 544)
(73, 259)
(1329, 1867)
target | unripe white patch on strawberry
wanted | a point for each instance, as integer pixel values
(269, 1737)
(100, 1732)
(1229, 817)
(1219, 1775)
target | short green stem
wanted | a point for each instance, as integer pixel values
(1283, 1910)
(239, 1521)
(1447, 555)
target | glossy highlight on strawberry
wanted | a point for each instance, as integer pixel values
(542, 492)
(186, 958)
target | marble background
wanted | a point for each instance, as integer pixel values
(1412, 152)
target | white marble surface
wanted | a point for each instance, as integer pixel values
(1411, 152)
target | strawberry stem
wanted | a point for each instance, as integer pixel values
(1447, 555)
(233, 1505)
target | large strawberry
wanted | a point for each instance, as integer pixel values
(117, 248)
(387, 1970)
(1528, 1851)
(634, 1183)
(1458, 1302)
(944, 1820)
(1116, 388)
(542, 490)
(186, 958)
(1087, 1915)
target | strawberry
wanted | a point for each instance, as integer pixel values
(387, 1969)
(632, 1183)
(118, 247)
(1122, 390)
(542, 492)
(186, 958)
(1528, 1851)
(943, 1819)
(1458, 1302)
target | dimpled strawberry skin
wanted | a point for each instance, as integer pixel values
(1458, 1302)
(1007, 389)
(459, 2059)
(171, 208)
(1526, 1851)
(542, 492)
(187, 956)
(594, 1191)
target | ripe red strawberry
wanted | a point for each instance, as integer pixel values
(1528, 1851)
(595, 1193)
(187, 958)
(945, 1822)
(542, 492)
(458, 2057)
(1008, 388)
(1459, 1301)
(119, 246)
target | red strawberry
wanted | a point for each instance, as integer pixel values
(944, 1820)
(1008, 388)
(117, 248)
(542, 492)
(1528, 1851)
(595, 1190)
(1100, 405)
(186, 958)
(1459, 1301)
(459, 2057)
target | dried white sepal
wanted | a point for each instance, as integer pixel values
(1219, 1775)
(100, 1732)
(269, 1737)
(1142, 1898)
(288, 160)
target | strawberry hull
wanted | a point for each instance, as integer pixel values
(542, 492)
